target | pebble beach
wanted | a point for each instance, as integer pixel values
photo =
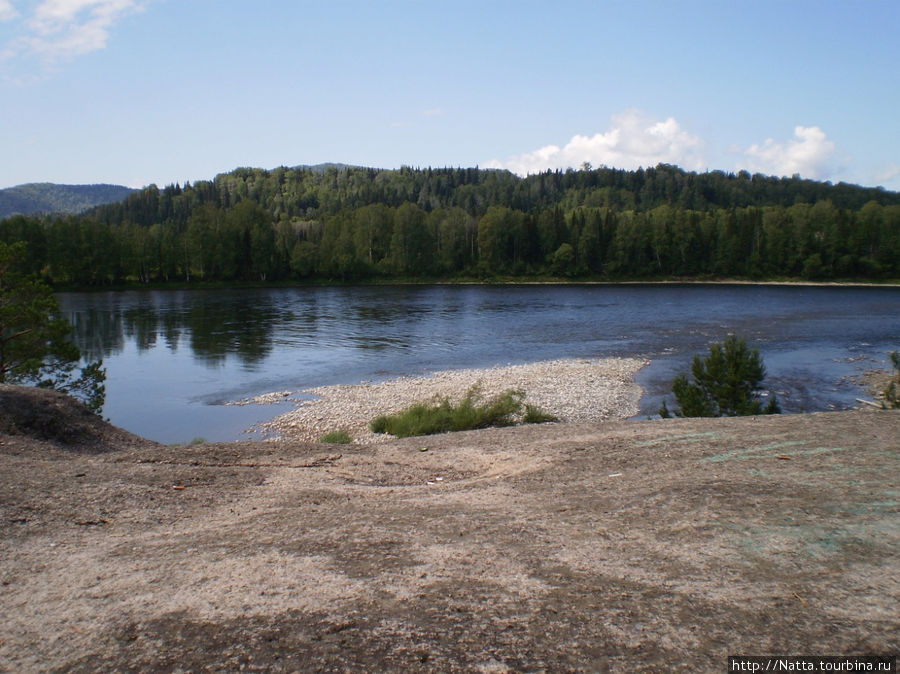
(570, 389)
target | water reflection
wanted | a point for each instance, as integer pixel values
(214, 333)
(97, 332)
(187, 350)
(212, 329)
(379, 343)
(141, 325)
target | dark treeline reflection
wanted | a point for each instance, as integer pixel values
(213, 329)
(98, 333)
(247, 324)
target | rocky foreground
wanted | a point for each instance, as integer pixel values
(635, 546)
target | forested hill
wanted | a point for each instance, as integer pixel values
(322, 190)
(337, 222)
(52, 198)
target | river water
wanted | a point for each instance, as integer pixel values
(174, 357)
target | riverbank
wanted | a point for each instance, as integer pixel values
(465, 281)
(573, 390)
(625, 546)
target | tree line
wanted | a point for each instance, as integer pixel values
(356, 224)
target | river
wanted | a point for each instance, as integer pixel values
(173, 358)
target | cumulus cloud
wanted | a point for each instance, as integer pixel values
(633, 140)
(808, 154)
(60, 30)
(7, 11)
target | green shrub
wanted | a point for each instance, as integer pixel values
(535, 415)
(443, 416)
(725, 384)
(198, 440)
(341, 437)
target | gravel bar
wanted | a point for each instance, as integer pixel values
(570, 389)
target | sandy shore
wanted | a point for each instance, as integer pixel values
(571, 389)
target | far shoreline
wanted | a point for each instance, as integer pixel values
(463, 281)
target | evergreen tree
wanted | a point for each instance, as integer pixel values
(725, 384)
(662, 221)
(34, 341)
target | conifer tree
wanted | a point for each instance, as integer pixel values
(725, 384)
(34, 340)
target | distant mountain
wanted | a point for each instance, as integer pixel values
(52, 198)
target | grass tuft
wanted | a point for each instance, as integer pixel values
(336, 438)
(472, 412)
(535, 415)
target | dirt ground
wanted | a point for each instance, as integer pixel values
(621, 546)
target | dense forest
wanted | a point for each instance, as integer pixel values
(52, 198)
(341, 223)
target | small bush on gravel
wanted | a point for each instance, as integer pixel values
(336, 438)
(198, 440)
(443, 416)
(535, 415)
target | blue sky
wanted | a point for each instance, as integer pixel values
(160, 91)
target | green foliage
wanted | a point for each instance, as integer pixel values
(443, 416)
(341, 223)
(725, 383)
(892, 391)
(194, 442)
(336, 438)
(34, 341)
(563, 260)
(535, 415)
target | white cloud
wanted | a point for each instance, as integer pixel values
(7, 11)
(60, 30)
(633, 140)
(888, 174)
(809, 155)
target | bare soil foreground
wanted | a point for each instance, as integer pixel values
(612, 546)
